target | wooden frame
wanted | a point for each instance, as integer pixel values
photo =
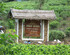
(32, 28)
(31, 38)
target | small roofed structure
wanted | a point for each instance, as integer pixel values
(32, 25)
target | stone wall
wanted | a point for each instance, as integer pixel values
(20, 31)
(45, 30)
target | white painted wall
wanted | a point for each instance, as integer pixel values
(17, 21)
(48, 32)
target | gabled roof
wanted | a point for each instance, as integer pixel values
(32, 14)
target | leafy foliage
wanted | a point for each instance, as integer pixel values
(67, 31)
(59, 19)
(54, 24)
(7, 38)
(21, 49)
(55, 34)
(1, 6)
(20, 5)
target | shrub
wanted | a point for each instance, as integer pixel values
(12, 31)
(54, 24)
(65, 14)
(7, 38)
(22, 49)
(11, 24)
(1, 7)
(67, 31)
(64, 23)
(55, 34)
(59, 19)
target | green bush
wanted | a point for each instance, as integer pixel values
(59, 19)
(54, 24)
(22, 49)
(63, 23)
(65, 14)
(1, 7)
(55, 34)
(11, 24)
(7, 38)
(67, 31)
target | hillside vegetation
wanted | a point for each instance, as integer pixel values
(61, 8)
